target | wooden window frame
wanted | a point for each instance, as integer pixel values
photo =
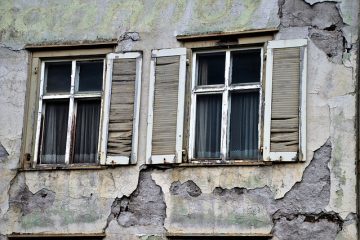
(38, 55)
(224, 89)
(70, 133)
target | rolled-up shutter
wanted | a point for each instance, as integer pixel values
(166, 106)
(285, 101)
(121, 108)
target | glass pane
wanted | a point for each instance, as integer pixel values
(208, 126)
(244, 119)
(90, 75)
(87, 131)
(246, 66)
(58, 77)
(211, 68)
(54, 132)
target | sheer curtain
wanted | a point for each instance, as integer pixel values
(87, 131)
(54, 132)
(244, 121)
(208, 126)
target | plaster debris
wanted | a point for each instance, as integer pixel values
(145, 206)
(188, 188)
(324, 21)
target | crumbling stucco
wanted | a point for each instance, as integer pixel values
(188, 188)
(3, 152)
(311, 200)
(145, 206)
(324, 22)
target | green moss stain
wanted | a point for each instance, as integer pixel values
(35, 21)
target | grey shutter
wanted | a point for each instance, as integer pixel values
(166, 106)
(121, 108)
(285, 101)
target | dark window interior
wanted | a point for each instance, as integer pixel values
(211, 68)
(90, 75)
(58, 77)
(246, 65)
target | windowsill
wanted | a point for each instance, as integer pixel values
(230, 163)
(48, 167)
(222, 235)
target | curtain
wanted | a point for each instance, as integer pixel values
(87, 131)
(208, 126)
(244, 121)
(54, 132)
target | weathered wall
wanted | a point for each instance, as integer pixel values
(311, 200)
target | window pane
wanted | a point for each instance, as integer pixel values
(246, 66)
(211, 68)
(208, 126)
(90, 75)
(58, 77)
(244, 121)
(87, 131)
(54, 132)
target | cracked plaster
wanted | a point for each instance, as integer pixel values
(331, 112)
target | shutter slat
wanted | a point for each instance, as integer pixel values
(285, 100)
(121, 107)
(165, 105)
(284, 137)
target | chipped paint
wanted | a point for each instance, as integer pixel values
(288, 200)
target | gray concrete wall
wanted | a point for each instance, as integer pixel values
(311, 200)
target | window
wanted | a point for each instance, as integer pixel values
(82, 108)
(69, 111)
(226, 107)
(228, 111)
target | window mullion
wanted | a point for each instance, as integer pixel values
(225, 103)
(71, 119)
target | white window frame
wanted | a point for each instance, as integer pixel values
(268, 155)
(72, 109)
(121, 160)
(223, 89)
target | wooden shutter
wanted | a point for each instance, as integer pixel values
(121, 108)
(285, 101)
(166, 106)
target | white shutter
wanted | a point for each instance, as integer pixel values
(120, 121)
(166, 106)
(285, 101)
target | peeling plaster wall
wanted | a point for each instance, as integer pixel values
(311, 200)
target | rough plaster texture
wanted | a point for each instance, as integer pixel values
(311, 200)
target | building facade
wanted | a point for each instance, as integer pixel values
(154, 119)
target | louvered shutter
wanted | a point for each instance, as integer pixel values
(121, 108)
(285, 101)
(166, 106)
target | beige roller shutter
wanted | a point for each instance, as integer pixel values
(121, 108)
(166, 106)
(285, 101)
